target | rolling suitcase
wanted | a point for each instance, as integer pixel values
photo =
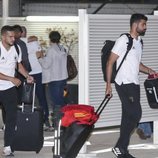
(68, 143)
(29, 129)
(151, 88)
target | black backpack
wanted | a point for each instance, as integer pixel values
(105, 53)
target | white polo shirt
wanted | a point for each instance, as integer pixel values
(129, 71)
(8, 63)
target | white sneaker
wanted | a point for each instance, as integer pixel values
(7, 151)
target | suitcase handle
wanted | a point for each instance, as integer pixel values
(57, 131)
(155, 94)
(103, 104)
(33, 101)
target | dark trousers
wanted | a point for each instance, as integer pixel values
(8, 99)
(56, 90)
(131, 112)
(41, 95)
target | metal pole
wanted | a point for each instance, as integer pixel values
(5, 4)
(83, 62)
(155, 136)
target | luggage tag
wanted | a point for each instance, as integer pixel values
(153, 76)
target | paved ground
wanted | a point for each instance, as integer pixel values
(98, 146)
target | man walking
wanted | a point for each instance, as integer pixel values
(127, 81)
(8, 83)
(25, 60)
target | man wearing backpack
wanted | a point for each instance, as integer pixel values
(127, 81)
(25, 60)
(9, 59)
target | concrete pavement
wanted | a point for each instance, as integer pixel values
(98, 146)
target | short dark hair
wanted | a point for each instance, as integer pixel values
(6, 28)
(137, 17)
(54, 36)
(17, 28)
(23, 29)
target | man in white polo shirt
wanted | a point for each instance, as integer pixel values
(9, 60)
(127, 81)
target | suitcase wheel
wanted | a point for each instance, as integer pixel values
(37, 152)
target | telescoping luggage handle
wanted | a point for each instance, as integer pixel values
(103, 104)
(33, 101)
(57, 142)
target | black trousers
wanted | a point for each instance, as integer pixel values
(131, 112)
(8, 99)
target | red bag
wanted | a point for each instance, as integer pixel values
(81, 114)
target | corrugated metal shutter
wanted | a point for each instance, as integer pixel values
(101, 28)
(39, 29)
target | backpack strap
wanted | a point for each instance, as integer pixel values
(17, 48)
(141, 41)
(129, 46)
(18, 52)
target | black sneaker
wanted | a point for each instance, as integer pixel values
(118, 153)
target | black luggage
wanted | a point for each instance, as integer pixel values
(151, 88)
(70, 140)
(29, 129)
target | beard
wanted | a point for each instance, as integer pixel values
(141, 32)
